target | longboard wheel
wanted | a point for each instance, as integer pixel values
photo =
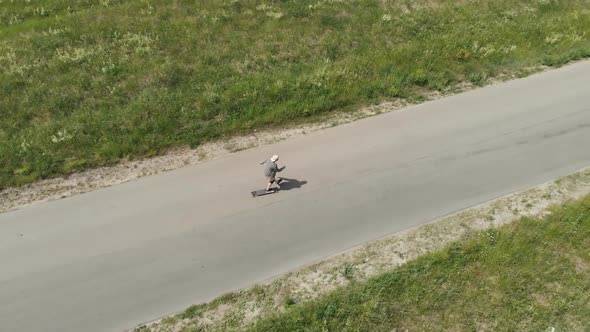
(253, 194)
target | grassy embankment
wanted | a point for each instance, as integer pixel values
(530, 275)
(91, 82)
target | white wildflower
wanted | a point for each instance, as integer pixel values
(24, 146)
(275, 15)
(73, 54)
(554, 38)
(263, 7)
(15, 19)
(40, 11)
(575, 37)
(62, 135)
(507, 49)
(140, 43)
(54, 31)
(487, 50)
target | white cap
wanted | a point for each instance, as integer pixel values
(274, 158)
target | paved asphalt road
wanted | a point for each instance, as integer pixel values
(107, 260)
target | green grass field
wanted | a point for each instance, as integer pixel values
(531, 275)
(90, 82)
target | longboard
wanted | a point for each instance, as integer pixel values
(263, 192)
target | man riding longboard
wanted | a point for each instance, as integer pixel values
(270, 170)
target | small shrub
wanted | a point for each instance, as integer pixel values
(348, 271)
(290, 301)
(462, 55)
(193, 311)
(419, 77)
(478, 78)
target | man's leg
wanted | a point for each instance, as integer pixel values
(271, 180)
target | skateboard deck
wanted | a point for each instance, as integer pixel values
(263, 192)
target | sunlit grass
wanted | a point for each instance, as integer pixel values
(131, 78)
